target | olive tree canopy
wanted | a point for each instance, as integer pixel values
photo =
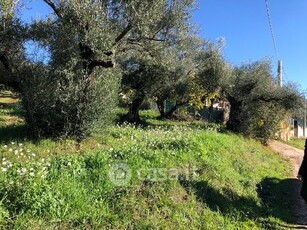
(78, 81)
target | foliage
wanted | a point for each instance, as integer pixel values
(8, 9)
(186, 73)
(151, 68)
(298, 111)
(257, 104)
(211, 69)
(67, 90)
(147, 77)
(180, 76)
(62, 109)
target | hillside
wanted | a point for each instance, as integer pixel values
(297, 143)
(183, 176)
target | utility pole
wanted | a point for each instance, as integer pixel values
(279, 71)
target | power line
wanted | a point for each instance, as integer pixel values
(285, 73)
(271, 28)
(273, 37)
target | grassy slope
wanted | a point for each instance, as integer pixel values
(297, 143)
(48, 185)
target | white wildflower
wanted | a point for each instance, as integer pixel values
(4, 163)
(69, 164)
(12, 143)
(20, 144)
(31, 169)
(33, 154)
(10, 150)
(3, 169)
(16, 151)
(31, 174)
(5, 146)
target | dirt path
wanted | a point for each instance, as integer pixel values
(295, 156)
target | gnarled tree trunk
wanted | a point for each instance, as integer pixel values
(234, 115)
(133, 115)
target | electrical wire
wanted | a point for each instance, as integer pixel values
(271, 28)
(273, 37)
(285, 73)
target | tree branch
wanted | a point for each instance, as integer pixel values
(158, 30)
(6, 75)
(4, 60)
(102, 63)
(8, 80)
(123, 34)
(142, 48)
(56, 10)
(146, 38)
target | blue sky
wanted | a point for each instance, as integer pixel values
(244, 26)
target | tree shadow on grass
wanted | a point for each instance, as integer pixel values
(12, 133)
(278, 198)
(282, 199)
(224, 201)
(12, 109)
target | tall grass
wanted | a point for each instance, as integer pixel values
(183, 175)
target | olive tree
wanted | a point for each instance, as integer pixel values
(78, 82)
(211, 70)
(152, 76)
(258, 105)
(150, 65)
(200, 67)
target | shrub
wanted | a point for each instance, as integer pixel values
(65, 105)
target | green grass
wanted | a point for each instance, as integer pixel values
(184, 175)
(11, 122)
(297, 143)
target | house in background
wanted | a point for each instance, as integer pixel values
(298, 128)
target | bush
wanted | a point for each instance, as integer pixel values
(257, 104)
(65, 105)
